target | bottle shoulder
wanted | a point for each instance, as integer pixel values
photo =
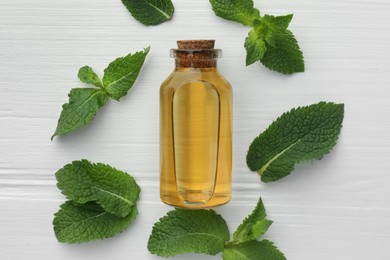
(180, 77)
(167, 81)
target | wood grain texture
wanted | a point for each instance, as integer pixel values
(336, 208)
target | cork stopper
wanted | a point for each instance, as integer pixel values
(195, 54)
(196, 44)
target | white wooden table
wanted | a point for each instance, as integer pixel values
(336, 208)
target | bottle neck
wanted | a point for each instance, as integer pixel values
(195, 63)
(195, 58)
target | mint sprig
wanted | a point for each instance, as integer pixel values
(84, 103)
(102, 202)
(304, 133)
(269, 42)
(204, 231)
(150, 12)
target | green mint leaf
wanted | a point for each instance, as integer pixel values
(87, 75)
(255, 46)
(150, 12)
(304, 133)
(254, 225)
(253, 250)
(81, 108)
(121, 74)
(241, 11)
(283, 53)
(115, 191)
(75, 223)
(273, 45)
(277, 22)
(188, 231)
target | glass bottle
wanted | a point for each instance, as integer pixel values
(195, 129)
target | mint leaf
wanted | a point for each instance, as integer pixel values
(81, 108)
(84, 103)
(304, 133)
(277, 22)
(75, 223)
(87, 75)
(253, 250)
(203, 231)
(150, 12)
(254, 225)
(255, 46)
(283, 53)
(185, 231)
(241, 11)
(121, 74)
(115, 191)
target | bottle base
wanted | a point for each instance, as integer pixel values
(173, 199)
